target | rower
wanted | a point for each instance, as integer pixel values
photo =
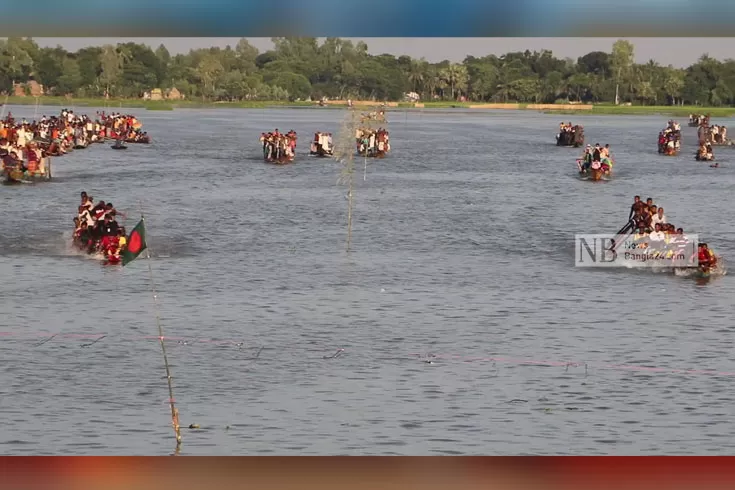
(703, 257)
(596, 153)
(710, 257)
(636, 206)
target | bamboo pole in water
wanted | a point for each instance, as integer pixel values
(161, 338)
(344, 152)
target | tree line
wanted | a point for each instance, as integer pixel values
(300, 68)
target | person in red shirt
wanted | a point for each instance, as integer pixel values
(706, 257)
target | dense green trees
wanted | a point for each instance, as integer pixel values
(301, 68)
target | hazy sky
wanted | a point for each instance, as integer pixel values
(679, 52)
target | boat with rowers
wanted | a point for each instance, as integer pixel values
(715, 135)
(649, 239)
(372, 143)
(596, 163)
(322, 145)
(279, 148)
(669, 139)
(704, 153)
(124, 127)
(696, 120)
(372, 139)
(97, 232)
(569, 135)
(24, 165)
(21, 141)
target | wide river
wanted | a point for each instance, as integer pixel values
(463, 247)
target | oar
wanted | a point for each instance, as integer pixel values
(624, 232)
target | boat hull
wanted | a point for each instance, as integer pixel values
(321, 154)
(280, 161)
(15, 176)
(377, 154)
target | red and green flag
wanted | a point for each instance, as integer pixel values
(136, 243)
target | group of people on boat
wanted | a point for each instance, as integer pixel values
(696, 120)
(322, 145)
(570, 135)
(652, 231)
(96, 230)
(596, 158)
(372, 142)
(125, 128)
(279, 147)
(715, 134)
(19, 161)
(25, 146)
(378, 116)
(669, 140)
(704, 152)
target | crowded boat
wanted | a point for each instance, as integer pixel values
(696, 120)
(669, 140)
(279, 148)
(96, 230)
(595, 162)
(650, 234)
(704, 152)
(24, 164)
(26, 146)
(322, 145)
(374, 116)
(716, 135)
(570, 135)
(372, 143)
(123, 127)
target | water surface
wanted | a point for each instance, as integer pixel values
(462, 248)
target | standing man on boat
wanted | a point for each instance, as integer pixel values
(636, 206)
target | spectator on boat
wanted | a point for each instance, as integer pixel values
(658, 216)
(657, 236)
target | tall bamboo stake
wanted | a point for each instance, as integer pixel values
(344, 152)
(172, 402)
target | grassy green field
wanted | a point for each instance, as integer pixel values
(165, 105)
(674, 111)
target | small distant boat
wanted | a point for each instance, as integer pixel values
(119, 146)
(596, 171)
(571, 136)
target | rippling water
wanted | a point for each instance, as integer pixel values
(463, 248)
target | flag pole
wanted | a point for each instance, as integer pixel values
(172, 403)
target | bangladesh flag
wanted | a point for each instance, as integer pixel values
(136, 244)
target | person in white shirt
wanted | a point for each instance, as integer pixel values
(657, 237)
(658, 217)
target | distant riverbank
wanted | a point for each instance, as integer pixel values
(572, 109)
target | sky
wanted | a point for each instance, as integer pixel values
(679, 52)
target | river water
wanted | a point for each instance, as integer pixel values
(462, 248)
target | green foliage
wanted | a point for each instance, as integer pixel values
(299, 68)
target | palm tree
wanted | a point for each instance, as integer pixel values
(417, 73)
(455, 76)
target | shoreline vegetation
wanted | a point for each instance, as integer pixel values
(562, 109)
(335, 70)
